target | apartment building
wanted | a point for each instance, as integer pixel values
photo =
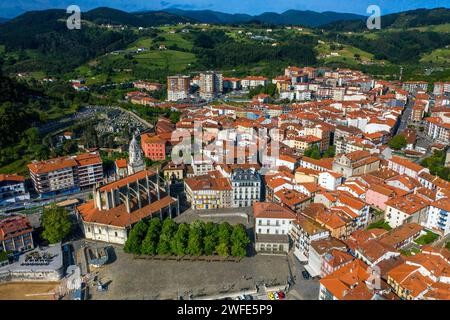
(66, 174)
(441, 88)
(247, 186)
(12, 189)
(272, 226)
(178, 87)
(404, 166)
(211, 191)
(149, 86)
(211, 85)
(406, 209)
(438, 129)
(438, 216)
(153, 146)
(414, 86)
(253, 82)
(16, 234)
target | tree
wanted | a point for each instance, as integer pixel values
(224, 233)
(239, 241)
(210, 238)
(195, 243)
(313, 152)
(179, 241)
(56, 224)
(398, 142)
(150, 243)
(330, 152)
(222, 250)
(209, 244)
(169, 228)
(134, 240)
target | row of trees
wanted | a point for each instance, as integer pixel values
(198, 238)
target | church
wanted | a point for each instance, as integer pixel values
(118, 205)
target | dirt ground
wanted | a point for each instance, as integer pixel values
(28, 290)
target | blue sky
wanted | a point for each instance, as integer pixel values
(10, 8)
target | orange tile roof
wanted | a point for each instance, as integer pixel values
(344, 281)
(406, 163)
(46, 166)
(408, 204)
(11, 177)
(401, 233)
(272, 210)
(119, 216)
(121, 163)
(212, 181)
(129, 179)
(87, 159)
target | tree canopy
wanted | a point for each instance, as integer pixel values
(56, 224)
(398, 142)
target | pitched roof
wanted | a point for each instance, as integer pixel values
(272, 210)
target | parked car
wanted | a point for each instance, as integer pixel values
(281, 295)
(277, 297)
(271, 296)
(305, 275)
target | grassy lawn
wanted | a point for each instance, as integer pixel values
(379, 225)
(427, 238)
(410, 252)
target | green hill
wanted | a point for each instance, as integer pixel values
(402, 20)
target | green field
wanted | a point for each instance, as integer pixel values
(438, 56)
(346, 54)
(175, 61)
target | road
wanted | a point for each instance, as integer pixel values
(405, 116)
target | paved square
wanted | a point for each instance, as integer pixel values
(147, 279)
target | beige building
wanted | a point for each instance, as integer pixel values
(355, 163)
(210, 191)
(178, 87)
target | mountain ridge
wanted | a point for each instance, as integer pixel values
(405, 19)
(290, 17)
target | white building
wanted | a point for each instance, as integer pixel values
(438, 216)
(330, 180)
(272, 226)
(12, 189)
(304, 231)
(246, 186)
